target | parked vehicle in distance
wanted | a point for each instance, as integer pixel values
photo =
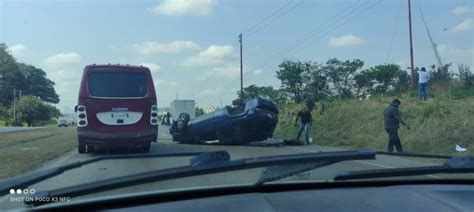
(182, 106)
(116, 107)
(252, 121)
(62, 122)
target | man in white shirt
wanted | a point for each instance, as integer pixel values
(423, 77)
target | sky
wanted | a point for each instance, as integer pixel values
(192, 48)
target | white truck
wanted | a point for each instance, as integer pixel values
(182, 106)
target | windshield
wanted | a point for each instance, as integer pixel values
(254, 78)
(109, 84)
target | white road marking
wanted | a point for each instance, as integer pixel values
(364, 162)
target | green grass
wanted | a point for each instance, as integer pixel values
(24, 151)
(436, 125)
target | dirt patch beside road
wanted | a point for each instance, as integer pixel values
(26, 150)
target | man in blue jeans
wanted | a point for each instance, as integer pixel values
(423, 77)
(306, 121)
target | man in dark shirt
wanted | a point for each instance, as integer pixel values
(392, 120)
(306, 121)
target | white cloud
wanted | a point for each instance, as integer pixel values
(184, 7)
(461, 10)
(210, 92)
(229, 71)
(150, 47)
(257, 72)
(465, 25)
(446, 50)
(200, 78)
(347, 40)
(63, 59)
(160, 83)
(213, 55)
(18, 50)
(154, 68)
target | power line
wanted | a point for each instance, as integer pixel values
(309, 34)
(435, 48)
(347, 21)
(274, 19)
(317, 30)
(266, 18)
(394, 32)
(313, 37)
(336, 27)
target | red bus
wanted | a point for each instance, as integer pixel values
(116, 107)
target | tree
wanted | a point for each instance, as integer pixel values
(10, 76)
(341, 75)
(466, 76)
(403, 82)
(253, 91)
(290, 75)
(38, 84)
(31, 110)
(29, 79)
(377, 79)
(315, 83)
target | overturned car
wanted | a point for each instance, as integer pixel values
(240, 123)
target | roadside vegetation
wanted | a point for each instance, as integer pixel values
(27, 90)
(351, 101)
(26, 150)
(437, 125)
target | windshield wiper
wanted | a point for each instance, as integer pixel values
(275, 173)
(205, 163)
(39, 175)
(452, 166)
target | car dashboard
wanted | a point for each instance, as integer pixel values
(410, 197)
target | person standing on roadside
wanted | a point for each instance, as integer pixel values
(392, 120)
(306, 121)
(423, 77)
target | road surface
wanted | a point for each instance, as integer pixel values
(113, 168)
(15, 129)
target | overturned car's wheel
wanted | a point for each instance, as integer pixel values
(182, 122)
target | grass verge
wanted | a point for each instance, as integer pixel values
(26, 150)
(437, 125)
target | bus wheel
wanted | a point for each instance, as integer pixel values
(81, 148)
(146, 147)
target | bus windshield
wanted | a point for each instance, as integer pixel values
(122, 85)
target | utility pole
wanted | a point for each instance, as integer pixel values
(241, 69)
(15, 91)
(411, 44)
(14, 106)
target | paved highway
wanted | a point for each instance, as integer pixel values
(113, 168)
